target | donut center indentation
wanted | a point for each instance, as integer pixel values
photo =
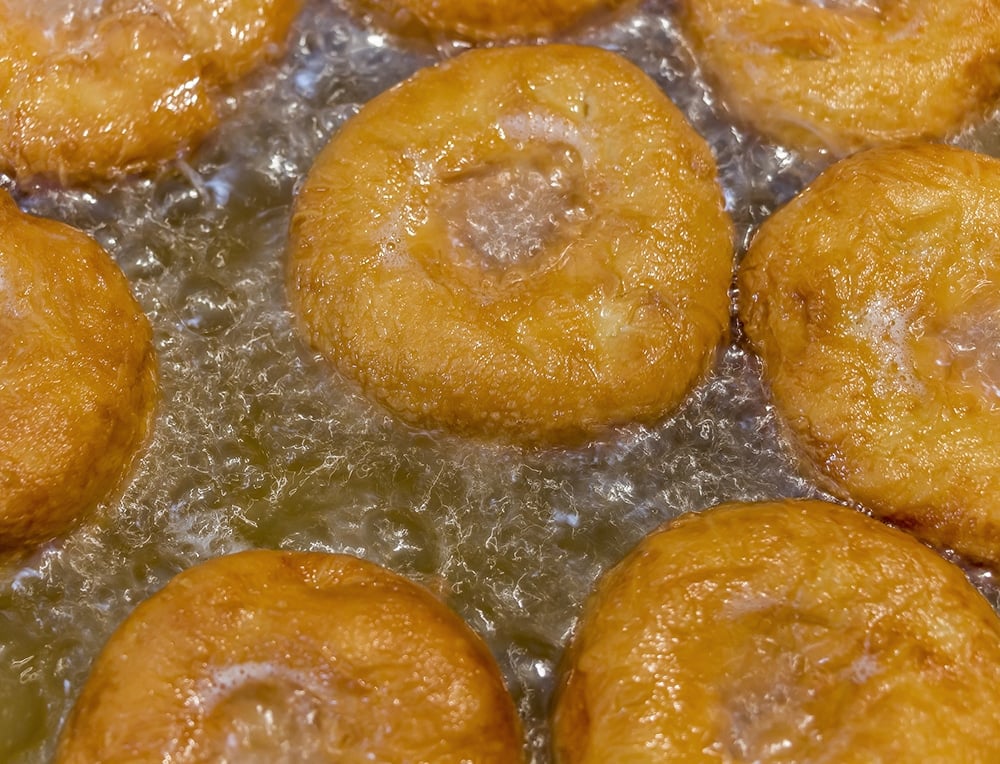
(867, 7)
(788, 676)
(509, 210)
(262, 715)
(52, 14)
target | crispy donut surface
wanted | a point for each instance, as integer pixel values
(796, 631)
(288, 657)
(491, 19)
(77, 376)
(847, 75)
(117, 87)
(604, 306)
(873, 299)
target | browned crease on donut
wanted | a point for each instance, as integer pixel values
(842, 76)
(105, 91)
(873, 299)
(77, 376)
(781, 633)
(285, 657)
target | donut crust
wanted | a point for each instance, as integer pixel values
(611, 321)
(355, 663)
(841, 77)
(77, 376)
(123, 88)
(872, 299)
(782, 632)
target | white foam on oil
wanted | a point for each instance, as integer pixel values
(886, 328)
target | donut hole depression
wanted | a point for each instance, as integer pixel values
(256, 444)
(263, 715)
(507, 212)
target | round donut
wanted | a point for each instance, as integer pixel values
(489, 20)
(109, 88)
(841, 76)
(526, 243)
(796, 631)
(289, 657)
(77, 376)
(873, 300)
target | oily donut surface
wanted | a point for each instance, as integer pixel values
(288, 657)
(873, 300)
(842, 76)
(796, 631)
(491, 19)
(604, 308)
(98, 91)
(77, 376)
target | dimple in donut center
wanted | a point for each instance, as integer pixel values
(271, 719)
(506, 211)
(874, 7)
(51, 14)
(785, 672)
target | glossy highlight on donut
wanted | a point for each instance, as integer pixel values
(281, 657)
(92, 90)
(873, 300)
(77, 376)
(487, 20)
(787, 631)
(522, 243)
(849, 74)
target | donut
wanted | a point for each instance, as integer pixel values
(521, 243)
(77, 376)
(786, 631)
(106, 89)
(287, 657)
(488, 20)
(843, 76)
(873, 300)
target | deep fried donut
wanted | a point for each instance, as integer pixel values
(77, 376)
(847, 75)
(288, 657)
(873, 300)
(491, 19)
(604, 306)
(782, 632)
(119, 88)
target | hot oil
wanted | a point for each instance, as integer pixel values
(257, 443)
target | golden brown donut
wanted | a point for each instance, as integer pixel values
(289, 657)
(782, 632)
(124, 85)
(873, 300)
(841, 76)
(603, 307)
(77, 376)
(486, 20)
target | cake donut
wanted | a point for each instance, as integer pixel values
(288, 657)
(526, 243)
(490, 20)
(842, 76)
(77, 376)
(873, 300)
(794, 631)
(101, 89)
